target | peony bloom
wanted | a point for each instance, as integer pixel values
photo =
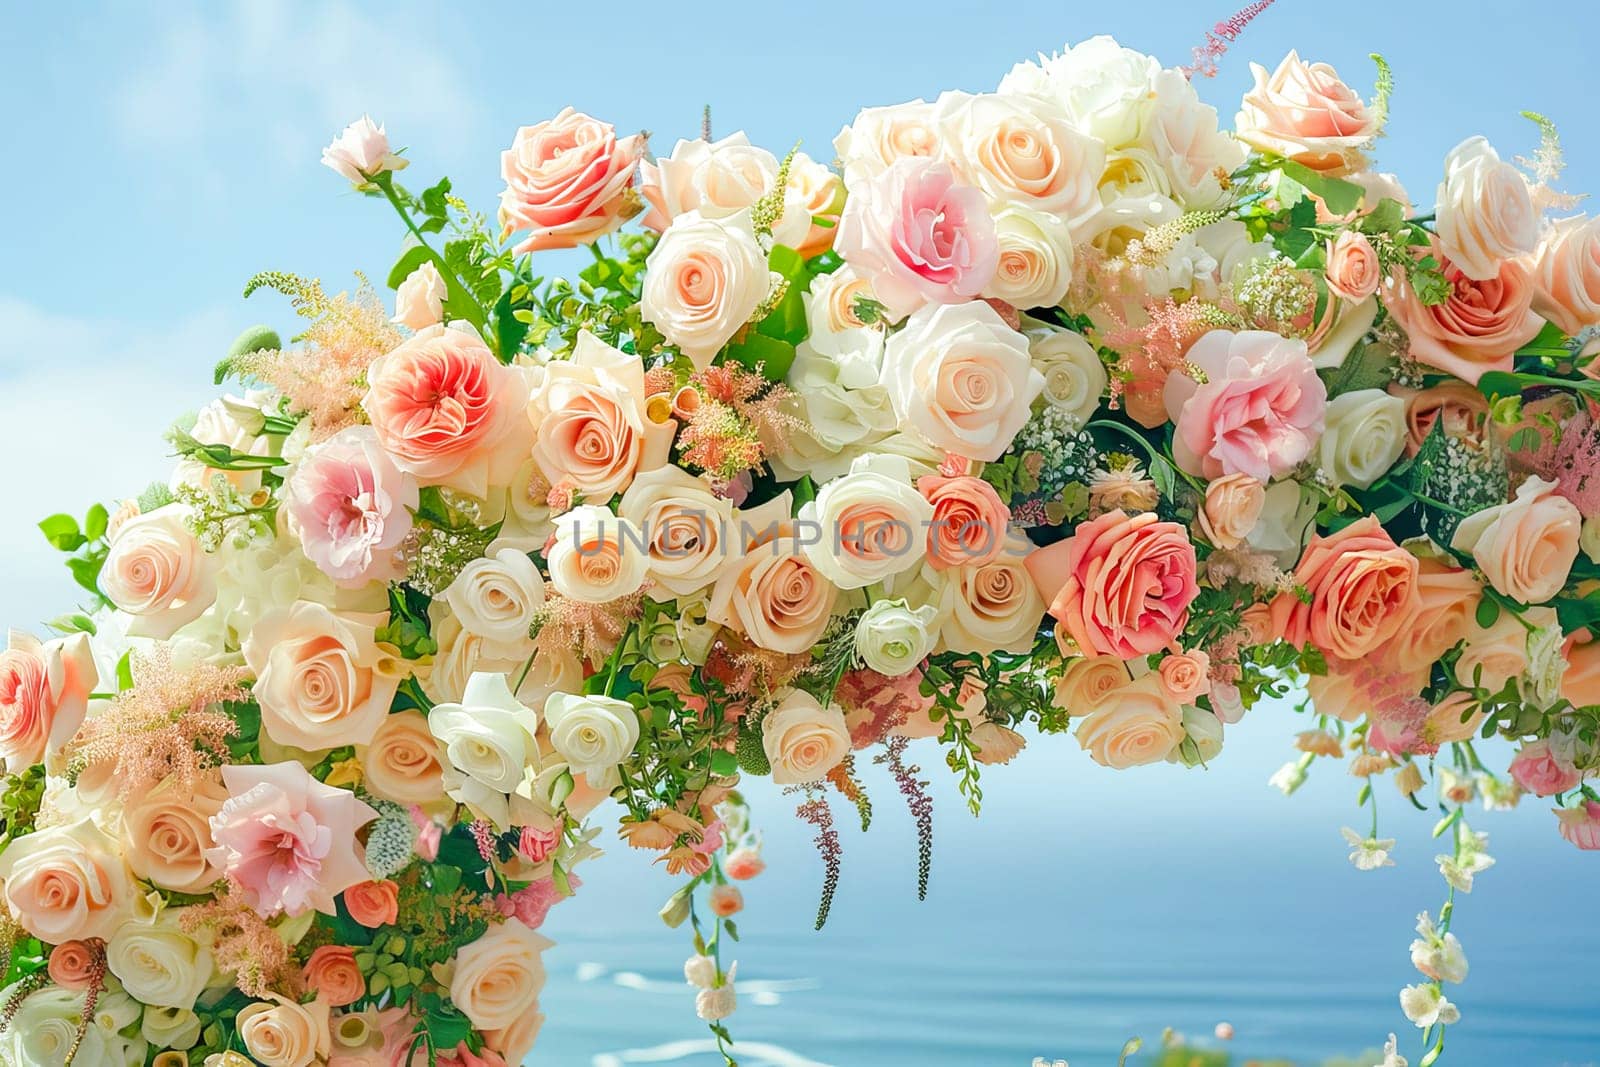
(704, 280)
(1581, 825)
(918, 236)
(1121, 585)
(287, 839)
(1106, 89)
(567, 181)
(803, 740)
(1363, 590)
(1567, 274)
(1135, 724)
(1526, 547)
(1478, 328)
(419, 301)
(1304, 112)
(44, 696)
(350, 507)
(1485, 211)
(361, 152)
(1260, 411)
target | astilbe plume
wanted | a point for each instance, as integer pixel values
(814, 810)
(843, 778)
(325, 378)
(245, 945)
(1219, 37)
(740, 419)
(743, 670)
(1545, 167)
(918, 800)
(565, 625)
(875, 703)
(171, 722)
(91, 997)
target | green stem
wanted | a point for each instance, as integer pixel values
(463, 298)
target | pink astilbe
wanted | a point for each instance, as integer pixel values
(170, 723)
(1219, 37)
(245, 945)
(874, 704)
(531, 904)
(743, 670)
(815, 811)
(591, 630)
(739, 420)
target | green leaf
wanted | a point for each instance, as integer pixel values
(62, 532)
(1340, 196)
(1488, 611)
(724, 763)
(1367, 367)
(1499, 383)
(412, 256)
(433, 199)
(1387, 217)
(1550, 341)
(769, 355)
(86, 571)
(94, 523)
(72, 623)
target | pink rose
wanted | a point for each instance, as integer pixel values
(1526, 547)
(44, 695)
(969, 521)
(287, 839)
(1260, 411)
(1541, 772)
(537, 843)
(919, 236)
(1362, 590)
(1304, 112)
(442, 407)
(1120, 585)
(1567, 274)
(351, 507)
(419, 302)
(1581, 825)
(1352, 270)
(361, 152)
(1485, 211)
(567, 181)
(1478, 328)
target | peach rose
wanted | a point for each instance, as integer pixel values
(402, 761)
(685, 526)
(774, 596)
(1184, 675)
(44, 696)
(1461, 408)
(1499, 652)
(1447, 601)
(596, 556)
(567, 181)
(1088, 680)
(1445, 724)
(1120, 585)
(1478, 328)
(1352, 271)
(1231, 509)
(1485, 210)
(1339, 694)
(167, 832)
(321, 679)
(419, 301)
(704, 280)
(994, 606)
(804, 740)
(880, 135)
(373, 904)
(1526, 547)
(719, 179)
(72, 964)
(498, 977)
(1022, 151)
(67, 883)
(156, 571)
(331, 973)
(1581, 682)
(969, 521)
(1304, 112)
(1137, 724)
(1363, 590)
(1567, 274)
(285, 1034)
(444, 408)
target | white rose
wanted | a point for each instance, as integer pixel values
(170, 1028)
(362, 152)
(1035, 264)
(961, 379)
(285, 1034)
(803, 740)
(1185, 135)
(592, 733)
(419, 302)
(684, 525)
(722, 178)
(880, 135)
(497, 596)
(525, 521)
(1022, 151)
(45, 1026)
(1485, 213)
(1105, 88)
(703, 281)
(1547, 663)
(1074, 377)
(489, 746)
(1135, 172)
(869, 524)
(156, 571)
(1350, 325)
(597, 556)
(841, 422)
(158, 963)
(1365, 434)
(892, 637)
(1285, 523)
(1202, 727)
(835, 330)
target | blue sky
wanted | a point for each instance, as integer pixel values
(158, 155)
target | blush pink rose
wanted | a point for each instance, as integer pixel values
(287, 839)
(1581, 825)
(1363, 591)
(1478, 328)
(44, 696)
(919, 236)
(774, 596)
(156, 572)
(969, 521)
(1541, 772)
(1353, 271)
(567, 181)
(537, 843)
(442, 406)
(1304, 112)
(350, 507)
(1260, 411)
(1121, 585)
(1567, 274)
(72, 964)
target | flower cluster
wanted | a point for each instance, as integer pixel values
(1057, 408)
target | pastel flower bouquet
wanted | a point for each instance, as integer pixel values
(1054, 408)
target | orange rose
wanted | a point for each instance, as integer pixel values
(1363, 590)
(332, 974)
(1447, 599)
(373, 904)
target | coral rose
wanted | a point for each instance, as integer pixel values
(1526, 547)
(969, 521)
(567, 181)
(72, 964)
(1567, 274)
(1304, 112)
(1137, 724)
(1478, 328)
(373, 904)
(1362, 590)
(1458, 406)
(332, 974)
(1352, 271)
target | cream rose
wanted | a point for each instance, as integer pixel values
(158, 963)
(803, 740)
(1136, 724)
(961, 379)
(498, 977)
(45, 1026)
(156, 572)
(993, 606)
(489, 745)
(1485, 212)
(597, 556)
(1364, 436)
(419, 302)
(1074, 377)
(719, 179)
(285, 1034)
(1087, 681)
(170, 1028)
(167, 832)
(1231, 509)
(1107, 89)
(774, 595)
(880, 135)
(1035, 264)
(892, 637)
(497, 596)
(685, 527)
(1567, 274)
(1022, 151)
(592, 733)
(1186, 137)
(321, 679)
(870, 524)
(704, 279)
(401, 763)
(1526, 547)
(67, 882)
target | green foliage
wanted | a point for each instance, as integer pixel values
(408, 628)
(750, 753)
(20, 797)
(86, 542)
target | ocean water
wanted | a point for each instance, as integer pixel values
(1087, 907)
